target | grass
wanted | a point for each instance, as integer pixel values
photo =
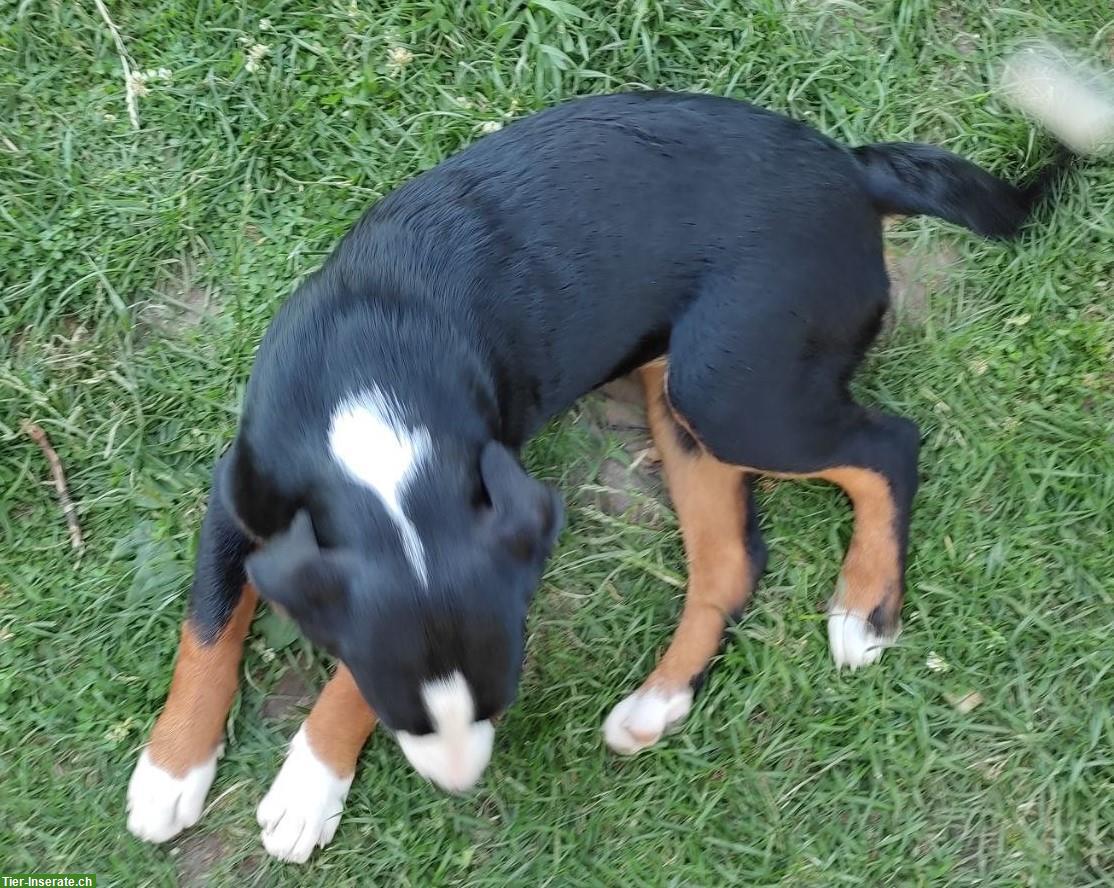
(140, 269)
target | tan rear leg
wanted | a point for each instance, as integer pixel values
(167, 789)
(724, 560)
(303, 807)
(864, 613)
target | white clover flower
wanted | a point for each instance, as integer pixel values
(936, 663)
(137, 83)
(255, 56)
(490, 126)
(398, 57)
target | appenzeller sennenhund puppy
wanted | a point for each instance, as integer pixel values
(373, 491)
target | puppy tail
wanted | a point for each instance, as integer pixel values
(1071, 101)
(909, 179)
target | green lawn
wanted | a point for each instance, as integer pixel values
(140, 268)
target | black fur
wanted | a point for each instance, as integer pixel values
(492, 291)
(218, 575)
(755, 543)
(908, 179)
(683, 436)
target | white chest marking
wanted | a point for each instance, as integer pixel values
(375, 447)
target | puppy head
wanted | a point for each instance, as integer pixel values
(437, 660)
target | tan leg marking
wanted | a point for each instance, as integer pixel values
(708, 497)
(870, 580)
(205, 680)
(167, 790)
(340, 723)
(872, 568)
(871, 575)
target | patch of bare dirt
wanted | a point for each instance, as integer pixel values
(197, 857)
(291, 693)
(952, 20)
(915, 274)
(249, 868)
(628, 484)
(832, 22)
(180, 300)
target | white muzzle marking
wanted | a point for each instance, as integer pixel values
(456, 753)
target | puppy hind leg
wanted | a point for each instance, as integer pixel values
(879, 476)
(762, 382)
(725, 557)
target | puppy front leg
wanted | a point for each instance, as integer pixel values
(167, 790)
(303, 807)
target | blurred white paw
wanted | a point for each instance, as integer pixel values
(854, 641)
(161, 805)
(641, 719)
(303, 807)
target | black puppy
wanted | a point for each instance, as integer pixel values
(373, 490)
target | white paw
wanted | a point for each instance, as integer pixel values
(640, 720)
(161, 805)
(302, 809)
(854, 641)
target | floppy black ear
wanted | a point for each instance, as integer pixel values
(293, 572)
(527, 515)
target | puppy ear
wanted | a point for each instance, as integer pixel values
(293, 572)
(526, 514)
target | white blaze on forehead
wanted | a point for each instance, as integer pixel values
(371, 442)
(455, 754)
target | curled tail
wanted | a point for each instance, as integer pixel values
(905, 178)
